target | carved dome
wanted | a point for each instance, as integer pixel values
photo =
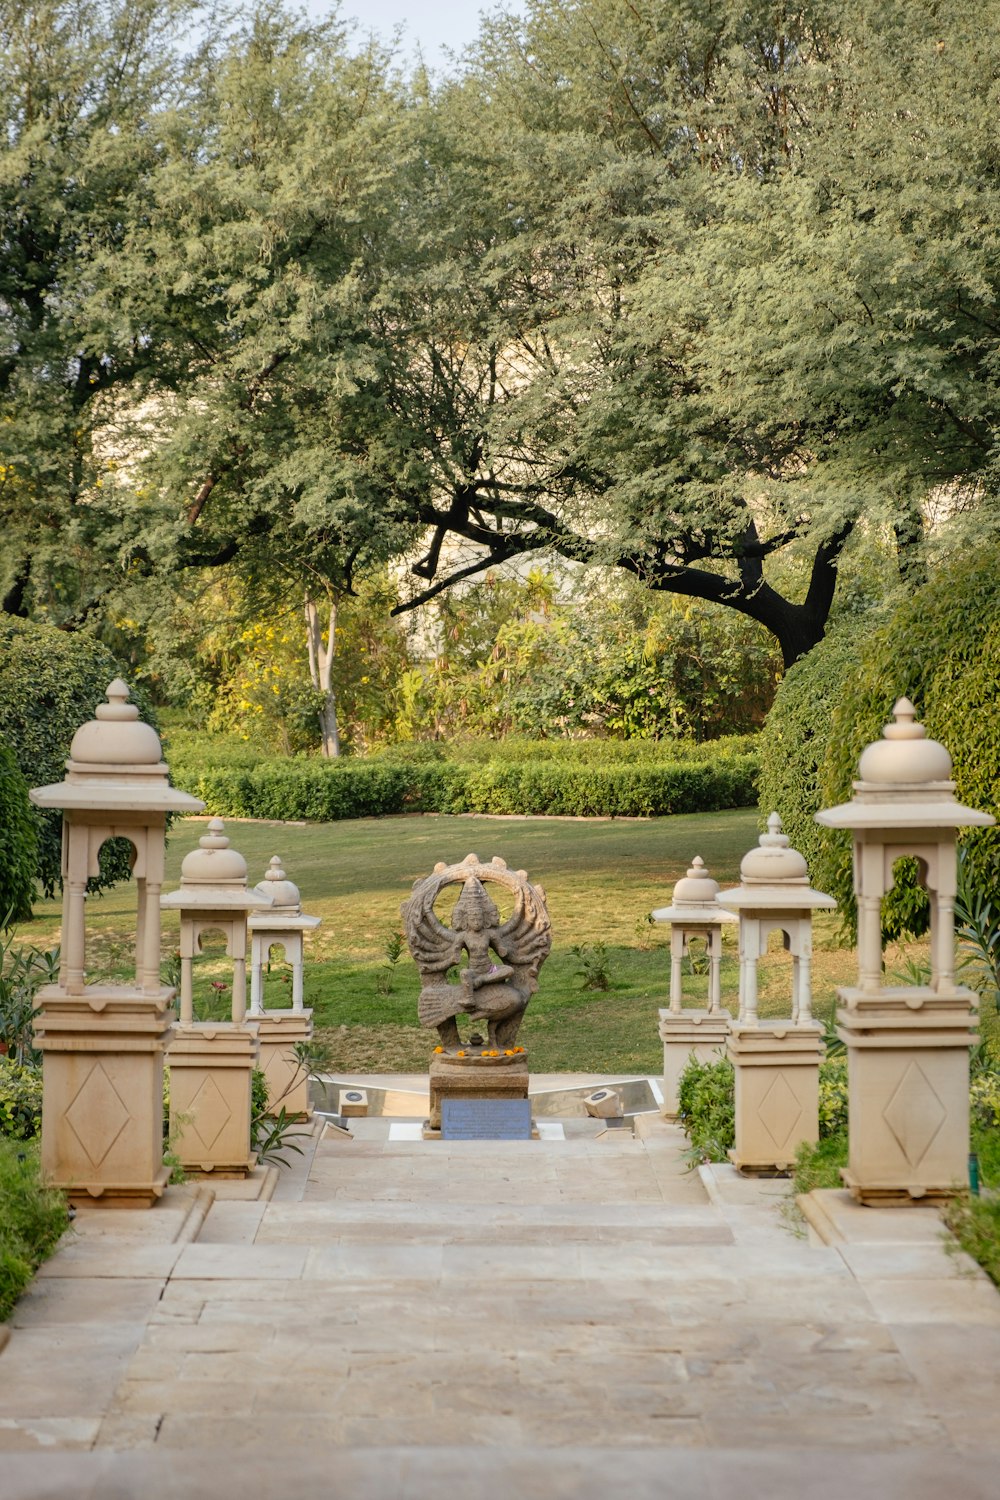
(283, 892)
(214, 862)
(696, 888)
(904, 755)
(773, 862)
(116, 736)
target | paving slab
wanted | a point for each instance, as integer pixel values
(549, 1318)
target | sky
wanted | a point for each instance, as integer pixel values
(433, 24)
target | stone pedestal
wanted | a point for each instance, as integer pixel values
(908, 1072)
(777, 1092)
(474, 1077)
(686, 1034)
(103, 1092)
(287, 1081)
(210, 1072)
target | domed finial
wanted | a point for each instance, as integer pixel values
(774, 838)
(215, 838)
(904, 726)
(118, 708)
(274, 870)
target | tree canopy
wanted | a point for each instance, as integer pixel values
(704, 292)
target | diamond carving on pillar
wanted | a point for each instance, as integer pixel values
(779, 1111)
(97, 1115)
(211, 1114)
(914, 1114)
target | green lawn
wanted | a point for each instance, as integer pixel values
(602, 877)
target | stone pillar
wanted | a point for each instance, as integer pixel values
(210, 1077)
(212, 1062)
(777, 1093)
(287, 1080)
(692, 1032)
(776, 1062)
(907, 1045)
(102, 1044)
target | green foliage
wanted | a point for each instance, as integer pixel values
(20, 1101)
(593, 966)
(706, 1095)
(796, 738)
(258, 1093)
(941, 649)
(53, 682)
(706, 1108)
(832, 1096)
(819, 1166)
(376, 787)
(18, 841)
(23, 971)
(32, 1219)
(515, 658)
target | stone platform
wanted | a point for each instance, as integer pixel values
(561, 1319)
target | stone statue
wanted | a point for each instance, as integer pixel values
(488, 991)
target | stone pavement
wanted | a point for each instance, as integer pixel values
(553, 1318)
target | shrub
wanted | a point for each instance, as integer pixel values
(32, 1218)
(18, 841)
(795, 742)
(706, 1108)
(52, 684)
(20, 1101)
(324, 791)
(940, 647)
(706, 1104)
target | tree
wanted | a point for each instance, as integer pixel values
(636, 331)
(82, 80)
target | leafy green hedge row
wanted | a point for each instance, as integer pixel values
(20, 1101)
(319, 791)
(32, 1218)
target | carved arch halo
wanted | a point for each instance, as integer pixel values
(529, 900)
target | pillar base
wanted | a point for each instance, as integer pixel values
(908, 1076)
(287, 1083)
(777, 1092)
(686, 1034)
(102, 1080)
(210, 1072)
(474, 1077)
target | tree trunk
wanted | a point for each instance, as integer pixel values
(321, 672)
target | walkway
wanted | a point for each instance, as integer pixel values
(577, 1318)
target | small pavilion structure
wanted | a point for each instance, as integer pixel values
(776, 1061)
(103, 1044)
(693, 913)
(282, 924)
(212, 1062)
(907, 1044)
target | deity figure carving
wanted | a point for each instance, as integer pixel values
(504, 957)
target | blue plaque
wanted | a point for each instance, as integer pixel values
(465, 1119)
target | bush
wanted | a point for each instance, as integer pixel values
(32, 1218)
(20, 1101)
(940, 647)
(706, 1107)
(706, 1104)
(52, 684)
(795, 743)
(18, 841)
(324, 791)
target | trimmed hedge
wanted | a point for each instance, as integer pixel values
(324, 791)
(32, 1219)
(52, 683)
(18, 841)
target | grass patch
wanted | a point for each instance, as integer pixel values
(32, 1218)
(602, 878)
(819, 1166)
